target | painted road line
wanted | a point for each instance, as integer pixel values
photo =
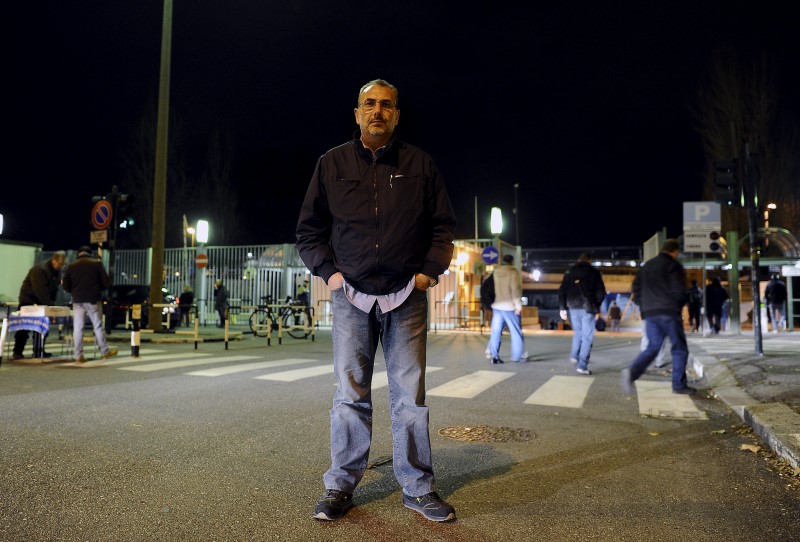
(177, 364)
(656, 400)
(298, 374)
(468, 386)
(381, 379)
(116, 360)
(562, 391)
(231, 369)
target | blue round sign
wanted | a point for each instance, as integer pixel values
(101, 214)
(490, 255)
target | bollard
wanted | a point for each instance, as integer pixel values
(196, 326)
(226, 329)
(135, 333)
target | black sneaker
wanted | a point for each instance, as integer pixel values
(333, 505)
(18, 356)
(686, 390)
(430, 506)
(497, 360)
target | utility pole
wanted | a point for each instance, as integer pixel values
(751, 197)
(160, 181)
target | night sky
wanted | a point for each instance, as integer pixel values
(586, 106)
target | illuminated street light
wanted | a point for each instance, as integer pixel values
(202, 231)
(190, 230)
(497, 221)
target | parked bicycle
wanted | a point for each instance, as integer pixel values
(292, 316)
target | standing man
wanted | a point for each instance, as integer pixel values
(776, 295)
(506, 310)
(377, 225)
(581, 293)
(659, 289)
(39, 288)
(221, 301)
(86, 279)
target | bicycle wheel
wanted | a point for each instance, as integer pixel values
(259, 322)
(293, 319)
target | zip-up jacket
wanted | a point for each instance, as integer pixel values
(378, 222)
(507, 288)
(40, 286)
(582, 282)
(85, 279)
(660, 287)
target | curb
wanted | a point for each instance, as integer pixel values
(777, 424)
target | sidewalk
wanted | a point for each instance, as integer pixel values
(763, 390)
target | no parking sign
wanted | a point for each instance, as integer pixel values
(102, 214)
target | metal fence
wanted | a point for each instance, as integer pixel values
(252, 273)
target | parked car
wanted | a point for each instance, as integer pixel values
(123, 296)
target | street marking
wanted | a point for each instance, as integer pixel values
(562, 391)
(231, 369)
(298, 374)
(128, 359)
(656, 400)
(468, 386)
(381, 379)
(183, 363)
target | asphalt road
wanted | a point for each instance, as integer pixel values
(229, 444)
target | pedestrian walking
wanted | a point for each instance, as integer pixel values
(377, 225)
(659, 289)
(185, 302)
(716, 295)
(580, 296)
(507, 311)
(695, 306)
(86, 279)
(776, 294)
(614, 316)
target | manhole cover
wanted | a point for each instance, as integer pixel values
(486, 433)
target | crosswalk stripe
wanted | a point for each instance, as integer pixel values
(657, 400)
(562, 391)
(176, 364)
(147, 359)
(381, 379)
(231, 369)
(298, 374)
(468, 386)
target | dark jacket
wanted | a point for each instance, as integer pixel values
(716, 295)
(659, 287)
(378, 222)
(582, 282)
(86, 279)
(40, 285)
(776, 291)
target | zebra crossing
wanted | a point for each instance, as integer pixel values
(655, 398)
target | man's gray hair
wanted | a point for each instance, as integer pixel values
(380, 83)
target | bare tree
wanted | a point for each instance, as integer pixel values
(739, 104)
(216, 198)
(138, 166)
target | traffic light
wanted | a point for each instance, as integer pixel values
(729, 183)
(125, 210)
(714, 245)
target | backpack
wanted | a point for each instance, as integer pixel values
(487, 291)
(695, 296)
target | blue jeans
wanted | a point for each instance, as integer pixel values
(81, 310)
(403, 335)
(582, 323)
(658, 328)
(500, 319)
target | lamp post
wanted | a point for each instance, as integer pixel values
(497, 227)
(201, 232)
(516, 214)
(770, 206)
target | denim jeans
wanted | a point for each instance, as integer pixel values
(778, 314)
(500, 319)
(402, 333)
(81, 310)
(658, 328)
(582, 323)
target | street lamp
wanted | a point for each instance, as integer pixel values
(191, 231)
(202, 231)
(516, 213)
(497, 226)
(771, 206)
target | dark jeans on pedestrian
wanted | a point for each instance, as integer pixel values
(658, 327)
